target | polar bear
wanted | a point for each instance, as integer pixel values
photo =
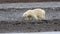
(38, 14)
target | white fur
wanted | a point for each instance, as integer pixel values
(35, 13)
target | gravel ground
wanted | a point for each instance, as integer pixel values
(30, 5)
(11, 20)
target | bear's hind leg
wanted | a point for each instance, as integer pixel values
(42, 17)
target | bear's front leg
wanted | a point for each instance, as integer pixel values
(30, 17)
(35, 17)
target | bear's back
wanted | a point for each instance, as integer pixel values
(39, 11)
